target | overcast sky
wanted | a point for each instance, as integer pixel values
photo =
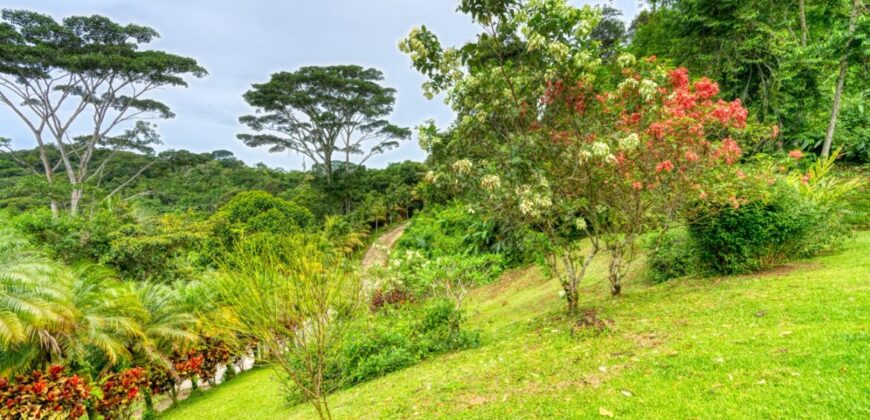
(243, 42)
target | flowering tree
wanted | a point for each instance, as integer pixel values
(551, 140)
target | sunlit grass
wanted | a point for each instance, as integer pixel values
(792, 342)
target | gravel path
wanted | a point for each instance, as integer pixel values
(380, 250)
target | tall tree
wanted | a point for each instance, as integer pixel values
(83, 73)
(857, 9)
(323, 111)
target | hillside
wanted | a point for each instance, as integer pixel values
(791, 342)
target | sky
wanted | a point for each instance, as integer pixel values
(244, 42)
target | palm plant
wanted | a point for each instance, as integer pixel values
(165, 322)
(31, 300)
(106, 315)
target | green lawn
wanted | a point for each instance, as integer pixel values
(792, 342)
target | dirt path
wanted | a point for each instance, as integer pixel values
(380, 250)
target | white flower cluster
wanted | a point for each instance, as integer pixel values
(625, 60)
(462, 166)
(533, 202)
(648, 89)
(629, 83)
(490, 183)
(600, 149)
(629, 142)
(431, 177)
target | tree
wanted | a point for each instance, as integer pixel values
(549, 139)
(85, 72)
(323, 111)
(857, 10)
(296, 297)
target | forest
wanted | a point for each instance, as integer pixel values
(658, 217)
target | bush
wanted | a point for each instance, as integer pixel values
(258, 212)
(671, 256)
(453, 230)
(756, 235)
(411, 276)
(402, 336)
(44, 394)
(73, 239)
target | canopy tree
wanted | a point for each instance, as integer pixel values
(83, 73)
(323, 111)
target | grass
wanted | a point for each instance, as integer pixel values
(789, 343)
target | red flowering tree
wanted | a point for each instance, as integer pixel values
(549, 139)
(49, 394)
(649, 147)
(120, 390)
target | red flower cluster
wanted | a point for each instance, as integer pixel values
(729, 151)
(679, 77)
(44, 394)
(731, 113)
(120, 391)
(796, 154)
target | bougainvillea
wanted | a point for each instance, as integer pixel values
(120, 390)
(49, 394)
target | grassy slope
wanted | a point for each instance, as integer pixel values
(793, 342)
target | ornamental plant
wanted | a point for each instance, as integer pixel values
(49, 394)
(214, 353)
(553, 141)
(120, 391)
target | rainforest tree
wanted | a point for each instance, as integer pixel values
(73, 83)
(322, 112)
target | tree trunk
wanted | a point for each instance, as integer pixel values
(75, 199)
(615, 275)
(841, 79)
(803, 18)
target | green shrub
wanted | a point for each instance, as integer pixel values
(258, 212)
(73, 239)
(671, 256)
(758, 234)
(453, 230)
(412, 274)
(402, 336)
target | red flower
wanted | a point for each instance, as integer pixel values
(706, 89)
(774, 131)
(665, 166)
(679, 77)
(637, 185)
(132, 393)
(691, 156)
(795, 154)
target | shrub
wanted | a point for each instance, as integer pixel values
(44, 394)
(673, 255)
(744, 238)
(73, 239)
(411, 276)
(120, 391)
(258, 212)
(402, 336)
(453, 230)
